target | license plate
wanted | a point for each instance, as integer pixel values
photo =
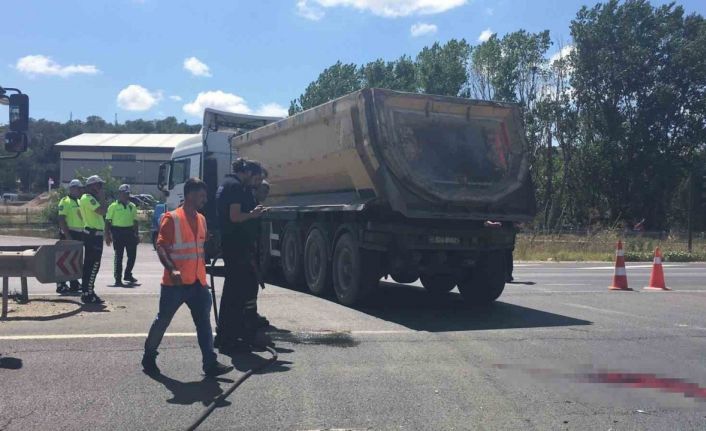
(453, 240)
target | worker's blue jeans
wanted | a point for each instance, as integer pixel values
(198, 299)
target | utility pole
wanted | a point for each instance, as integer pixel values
(690, 222)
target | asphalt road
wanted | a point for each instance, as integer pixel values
(557, 351)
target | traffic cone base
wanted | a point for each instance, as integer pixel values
(624, 289)
(657, 289)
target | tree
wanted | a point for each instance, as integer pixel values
(443, 69)
(639, 78)
(335, 81)
(394, 75)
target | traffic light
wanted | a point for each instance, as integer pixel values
(16, 139)
(19, 113)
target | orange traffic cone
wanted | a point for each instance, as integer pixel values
(620, 277)
(657, 276)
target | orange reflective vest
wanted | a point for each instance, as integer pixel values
(187, 252)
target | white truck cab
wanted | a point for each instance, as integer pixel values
(207, 156)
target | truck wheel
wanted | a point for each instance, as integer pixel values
(291, 255)
(486, 282)
(438, 284)
(355, 271)
(404, 277)
(317, 271)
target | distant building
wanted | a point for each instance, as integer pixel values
(134, 158)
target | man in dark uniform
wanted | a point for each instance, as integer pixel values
(237, 214)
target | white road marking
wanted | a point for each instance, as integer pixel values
(567, 284)
(180, 334)
(629, 266)
(601, 310)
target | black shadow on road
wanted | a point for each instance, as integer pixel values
(414, 308)
(80, 307)
(10, 363)
(246, 361)
(187, 393)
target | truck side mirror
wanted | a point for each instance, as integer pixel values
(16, 142)
(163, 176)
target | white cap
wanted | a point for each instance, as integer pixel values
(124, 188)
(94, 179)
(75, 183)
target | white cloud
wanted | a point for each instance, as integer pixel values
(485, 35)
(175, 98)
(389, 8)
(421, 29)
(230, 102)
(137, 98)
(562, 53)
(306, 10)
(43, 65)
(272, 110)
(196, 67)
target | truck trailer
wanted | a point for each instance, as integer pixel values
(376, 183)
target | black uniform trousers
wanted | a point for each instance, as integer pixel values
(75, 236)
(124, 239)
(238, 314)
(93, 251)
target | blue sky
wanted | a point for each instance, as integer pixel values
(153, 58)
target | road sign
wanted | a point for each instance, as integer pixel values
(67, 263)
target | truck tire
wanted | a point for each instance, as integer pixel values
(486, 281)
(317, 270)
(355, 271)
(438, 284)
(292, 255)
(404, 277)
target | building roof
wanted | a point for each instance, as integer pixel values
(125, 141)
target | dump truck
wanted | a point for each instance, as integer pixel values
(378, 183)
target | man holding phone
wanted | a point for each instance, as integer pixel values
(238, 212)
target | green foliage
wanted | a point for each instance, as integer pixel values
(335, 81)
(639, 77)
(395, 75)
(443, 69)
(439, 69)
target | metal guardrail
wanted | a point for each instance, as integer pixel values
(58, 262)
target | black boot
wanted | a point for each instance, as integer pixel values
(91, 298)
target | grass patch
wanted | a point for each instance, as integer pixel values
(601, 247)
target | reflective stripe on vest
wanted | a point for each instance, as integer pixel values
(187, 252)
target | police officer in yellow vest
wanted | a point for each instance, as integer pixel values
(122, 230)
(93, 207)
(70, 226)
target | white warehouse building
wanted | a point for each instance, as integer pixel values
(134, 158)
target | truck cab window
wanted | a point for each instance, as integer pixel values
(179, 172)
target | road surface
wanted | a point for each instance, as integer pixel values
(557, 351)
